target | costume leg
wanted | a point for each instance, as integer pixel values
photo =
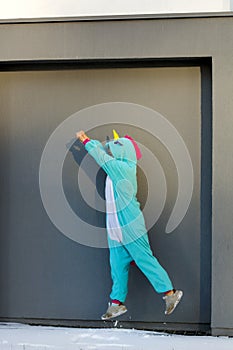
(141, 253)
(119, 261)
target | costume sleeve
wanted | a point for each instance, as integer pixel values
(105, 161)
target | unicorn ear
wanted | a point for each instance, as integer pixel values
(115, 135)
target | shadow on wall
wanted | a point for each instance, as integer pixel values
(78, 151)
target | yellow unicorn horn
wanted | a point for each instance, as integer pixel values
(115, 135)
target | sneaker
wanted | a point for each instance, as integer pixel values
(114, 311)
(172, 301)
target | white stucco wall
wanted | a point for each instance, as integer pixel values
(60, 8)
(151, 6)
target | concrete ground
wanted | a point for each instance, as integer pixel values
(24, 337)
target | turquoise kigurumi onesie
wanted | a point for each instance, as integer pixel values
(127, 234)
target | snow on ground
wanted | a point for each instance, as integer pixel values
(24, 337)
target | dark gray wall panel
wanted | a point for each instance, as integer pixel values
(45, 274)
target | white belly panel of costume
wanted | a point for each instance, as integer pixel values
(112, 222)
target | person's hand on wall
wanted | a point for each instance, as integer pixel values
(81, 135)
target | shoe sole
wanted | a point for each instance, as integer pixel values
(113, 316)
(176, 303)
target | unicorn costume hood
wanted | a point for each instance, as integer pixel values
(122, 150)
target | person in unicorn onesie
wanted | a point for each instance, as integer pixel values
(127, 234)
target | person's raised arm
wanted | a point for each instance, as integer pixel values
(97, 151)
